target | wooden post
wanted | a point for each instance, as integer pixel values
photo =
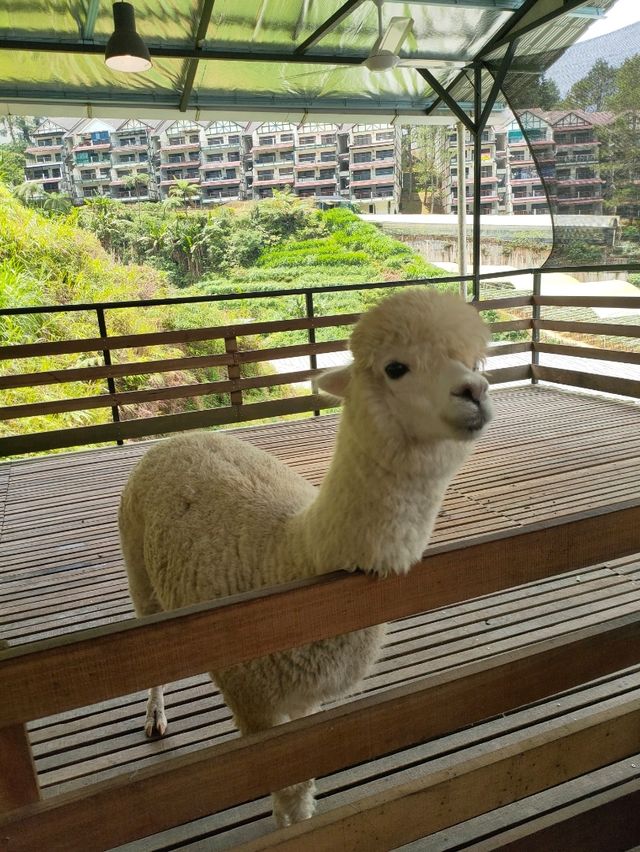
(233, 370)
(18, 780)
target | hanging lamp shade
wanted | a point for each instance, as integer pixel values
(125, 49)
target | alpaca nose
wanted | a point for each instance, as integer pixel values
(473, 391)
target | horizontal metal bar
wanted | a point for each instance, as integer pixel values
(497, 5)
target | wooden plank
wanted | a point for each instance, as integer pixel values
(188, 787)
(587, 352)
(509, 348)
(498, 304)
(168, 365)
(506, 773)
(511, 325)
(608, 819)
(125, 657)
(111, 343)
(159, 425)
(588, 301)
(610, 329)
(509, 374)
(592, 381)
(18, 782)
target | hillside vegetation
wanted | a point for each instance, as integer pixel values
(108, 252)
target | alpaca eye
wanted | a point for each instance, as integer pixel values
(396, 370)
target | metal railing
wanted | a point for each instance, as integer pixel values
(231, 352)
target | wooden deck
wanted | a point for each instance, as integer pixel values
(549, 455)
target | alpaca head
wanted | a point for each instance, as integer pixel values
(414, 376)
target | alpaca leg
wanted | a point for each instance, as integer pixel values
(297, 802)
(145, 602)
(155, 722)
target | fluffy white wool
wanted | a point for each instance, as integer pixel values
(205, 515)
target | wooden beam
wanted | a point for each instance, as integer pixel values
(618, 355)
(610, 329)
(121, 658)
(611, 818)
(18, 780)
(589, 381)
(506, 772)
(186, 788)
(519, 373)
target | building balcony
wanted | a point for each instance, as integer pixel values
(526, 180)
(131, 165)
(316, 182)
(176, 178)
(318, 164)
(210, 199)
(138, 146)
(273, 181)
(310, 146)
(221, 145)
(540, 143)
(184, 146)
(469, 180)
(180, 164)
(42, 180)
(49, 165)
(42, 149)
(221, 182)
(280, 146)
(227, 164)
(372, 164)
(580, 181)
(524, 199)
(374, 181)
(88, 146)
(388, 144)
(578, 199)
(577, 144)
(525, 161)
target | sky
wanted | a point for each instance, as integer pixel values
(624, 12)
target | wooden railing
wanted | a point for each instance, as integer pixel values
(231, 358)
(93, 665)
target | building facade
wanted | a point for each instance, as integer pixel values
(223, 161)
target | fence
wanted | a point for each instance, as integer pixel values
(234, 356)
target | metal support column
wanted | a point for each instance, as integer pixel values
(535, 334)
(462, 208)
(106, 357)
(313, 360)
(477, 171)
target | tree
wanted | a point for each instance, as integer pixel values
(28, 192)
(627, 92)
(56, 202)
(136, 182)
(620, 164)
(185, 191)
(532, 92)
(595, 90)
(424, 154)
(12, 162)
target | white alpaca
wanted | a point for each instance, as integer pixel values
(205, 515)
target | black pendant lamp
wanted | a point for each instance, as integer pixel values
(125, 49)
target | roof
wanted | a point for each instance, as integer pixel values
(287, 59)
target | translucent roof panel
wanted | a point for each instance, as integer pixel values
(258, 58)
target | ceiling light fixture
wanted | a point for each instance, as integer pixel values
(125, 49)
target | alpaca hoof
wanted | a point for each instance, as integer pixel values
(155, 724)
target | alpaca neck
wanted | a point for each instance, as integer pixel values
(378, 503)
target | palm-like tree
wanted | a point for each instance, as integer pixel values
(28, 192)
(184, 190)
(56, 202)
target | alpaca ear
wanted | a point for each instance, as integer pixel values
(335, 382)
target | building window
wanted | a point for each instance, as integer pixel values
(387, 136)
(233, 156)
(215, 140)
(265, 175)
(365, 174)
(194, 156)
(286, 137)
(307, 158)
(307, 140)
(328, 138)
(127, 140)
(230, 174)
(266, 140)
(215, 158)
(194, 138)
(327, 156)
(306, 175)
(362, 139)
(176, 140)
(216, 174)
(387, 170)
(362, 157)
(286, 171)
(326, 173)
(234, 140)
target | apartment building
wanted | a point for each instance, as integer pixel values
(492, 172)
(226, 161)
(46, 160)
